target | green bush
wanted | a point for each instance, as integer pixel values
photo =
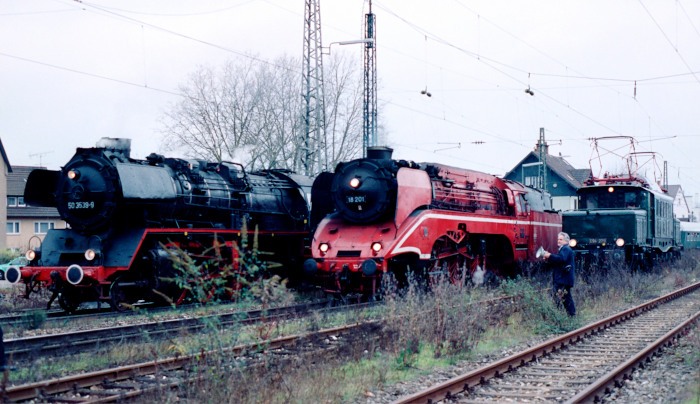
(538, 309)
(34, 319)
(8, 255)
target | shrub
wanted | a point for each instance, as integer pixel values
(34, 319)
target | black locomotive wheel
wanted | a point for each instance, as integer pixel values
(118, 297)
(68, 300)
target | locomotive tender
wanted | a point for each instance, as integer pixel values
(621, 220)
(395, 217)
(123, 214)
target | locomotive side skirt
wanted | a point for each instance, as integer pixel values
(431, 223)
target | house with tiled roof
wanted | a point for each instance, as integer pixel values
(563, 180)
(681, 208)
(6, 169)
(26, 225)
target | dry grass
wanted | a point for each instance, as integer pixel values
(424, 330)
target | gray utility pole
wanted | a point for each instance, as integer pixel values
(369, 130)
(313, 115)
(542, 172)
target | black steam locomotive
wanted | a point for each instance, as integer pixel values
(125, 213)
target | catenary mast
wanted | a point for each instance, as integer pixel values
(369, 129)
(313, 115)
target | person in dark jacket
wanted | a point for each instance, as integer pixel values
(563, 272)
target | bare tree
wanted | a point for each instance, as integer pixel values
(249, 112)
(343, 110)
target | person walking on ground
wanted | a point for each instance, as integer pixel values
(563, 273)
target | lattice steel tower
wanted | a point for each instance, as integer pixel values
(542, 172)
(313, 115)
(369, 129)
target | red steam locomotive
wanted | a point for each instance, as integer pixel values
(396, 217)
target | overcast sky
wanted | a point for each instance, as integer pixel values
(72, 72)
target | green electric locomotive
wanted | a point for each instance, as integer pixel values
(622, 221)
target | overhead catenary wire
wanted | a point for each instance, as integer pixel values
(675, 48)
(551, 106)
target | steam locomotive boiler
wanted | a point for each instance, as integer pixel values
(394, 217)
(124, 213)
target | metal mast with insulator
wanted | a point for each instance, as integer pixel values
(542, 172)
(369, 130)
(313, 115)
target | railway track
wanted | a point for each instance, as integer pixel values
(134, 381)
(62, 317)
(580, 366)
(20, 350)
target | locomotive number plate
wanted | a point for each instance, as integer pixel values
(357, 199)
(81, 205)
(596, 241)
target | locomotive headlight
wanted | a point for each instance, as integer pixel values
(30, 255)
(376, 246)
(73, 174)
(572, 243)
(90, 254)
(355, 182)
(620, 242)
(323, 247)
(611, 189)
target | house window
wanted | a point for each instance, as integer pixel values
(20, 201)
(532, 181)
(12, 227)
(11, 201)
(42, 227)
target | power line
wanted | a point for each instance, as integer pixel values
(98, 76)
(156, 27)
(215, 11)
(491, 63)
(669, 41)
(617, 79)
(688, 17)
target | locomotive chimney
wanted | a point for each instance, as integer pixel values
(116, 144)
(379, 153)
